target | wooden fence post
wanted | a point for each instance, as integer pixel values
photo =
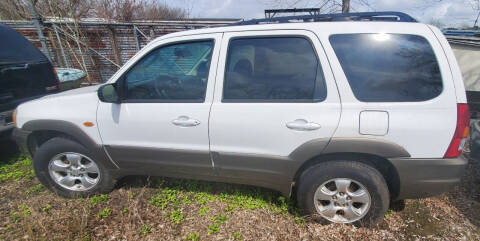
(113, 42)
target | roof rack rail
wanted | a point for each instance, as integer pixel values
(360, 16)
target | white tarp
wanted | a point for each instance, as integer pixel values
(468, 58)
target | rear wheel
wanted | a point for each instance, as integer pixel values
(343, 192)
(68, 169)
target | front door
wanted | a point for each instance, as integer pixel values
(161, 126)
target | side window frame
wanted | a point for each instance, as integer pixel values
(122, 85)
(320, 75)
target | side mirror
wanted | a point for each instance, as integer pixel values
(108, 93)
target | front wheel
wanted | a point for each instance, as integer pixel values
(68, 169)
(343, 192)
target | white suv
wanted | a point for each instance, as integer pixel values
(345, 115)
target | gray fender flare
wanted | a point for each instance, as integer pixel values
(74, 131)
(323, 146)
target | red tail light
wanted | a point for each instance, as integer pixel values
(461, 132)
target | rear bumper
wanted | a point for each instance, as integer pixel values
(421, 178)
(20, 137)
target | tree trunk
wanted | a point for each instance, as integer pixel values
(345, 6)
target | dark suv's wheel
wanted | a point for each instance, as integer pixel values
(68, 169)
(343, 192)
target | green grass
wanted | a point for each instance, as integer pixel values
(17, 168)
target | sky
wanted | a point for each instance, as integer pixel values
(455, 13)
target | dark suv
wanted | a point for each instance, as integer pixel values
(25, 74)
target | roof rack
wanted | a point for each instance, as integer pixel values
(360, 16)
(270, 13)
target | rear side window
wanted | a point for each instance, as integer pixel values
(273, 69)
(388, 67)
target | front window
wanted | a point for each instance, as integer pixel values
(177, 72)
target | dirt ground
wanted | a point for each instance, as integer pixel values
(142, 208)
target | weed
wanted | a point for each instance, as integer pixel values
(192, 237)
(176, 216)
(229, 209)
(300, 221)
(34, 189)
(220, 218)
(237, 236)
(186, 201)
(213, 228)
(217, 221)
(164, 198)
(203, 210)
(247, 200)
(146, 229)
(387, 214)
(15, 216)
(124, 210)
(131, 195)
(46, 208)
(99, 198)
(24, 209)
(203, 197)
(17, 169)
(104, 213)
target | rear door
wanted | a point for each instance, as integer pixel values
(274, 92)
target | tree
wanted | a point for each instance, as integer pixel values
(474, 4)
(345, 6)
(119, 10)
(128, 10)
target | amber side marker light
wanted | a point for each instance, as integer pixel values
(88, 124)
(14, 117)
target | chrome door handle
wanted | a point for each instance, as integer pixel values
(302, 125)
(185, 121)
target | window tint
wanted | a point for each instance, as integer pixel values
(274, 69)
(176, 72)
(388, 67)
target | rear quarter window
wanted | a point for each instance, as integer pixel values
(388, 67)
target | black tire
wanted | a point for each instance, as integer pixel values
(366, 175)
(58, 145)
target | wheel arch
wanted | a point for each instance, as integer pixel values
(382, 164)
(44, 130)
